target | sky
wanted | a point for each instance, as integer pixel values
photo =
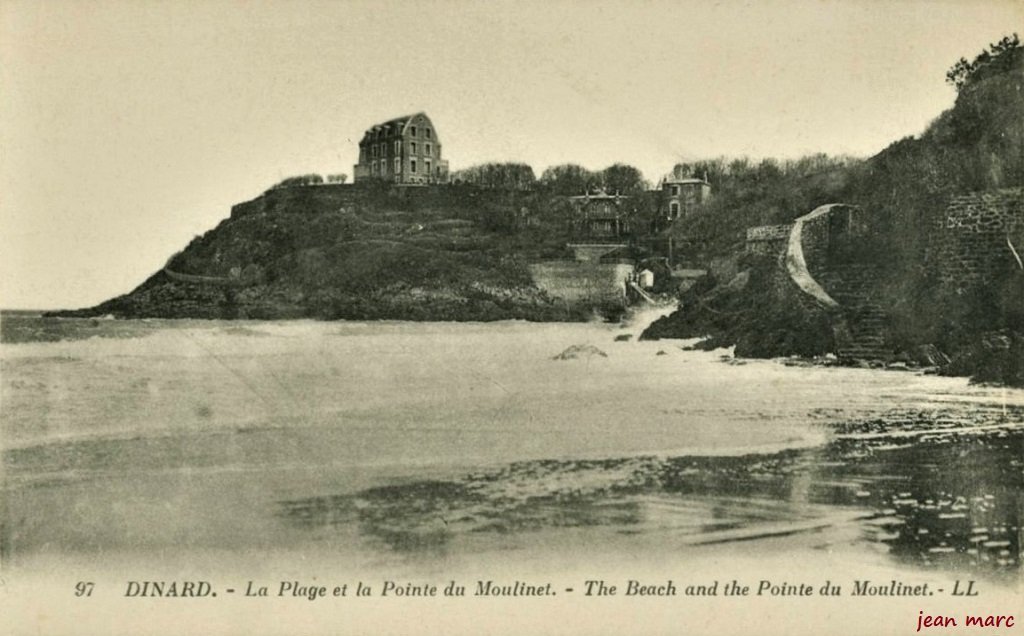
(129, 127)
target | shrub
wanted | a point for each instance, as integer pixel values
(302, 180)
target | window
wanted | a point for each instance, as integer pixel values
(398, 147)
(426, 167)
(675, 191)
(412, 131)
(412, 166)
(429, 150)
(426, 133)
(398, 165)
(383, 167)
(373, 151)
(412, 147)
(673, 210)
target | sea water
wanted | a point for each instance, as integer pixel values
(432, 447)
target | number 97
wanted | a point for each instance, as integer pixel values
(84, 588)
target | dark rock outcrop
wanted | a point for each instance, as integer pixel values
(348, 252)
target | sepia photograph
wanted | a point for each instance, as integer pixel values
(496, 317)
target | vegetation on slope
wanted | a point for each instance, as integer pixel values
(460, 252)
(978, 145)
(450, 254)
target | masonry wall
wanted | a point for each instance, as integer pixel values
(298, 198)
(767, 240)
(969, 245)
(592, 252)
(581, 282)
(334, 196)
(816, 242)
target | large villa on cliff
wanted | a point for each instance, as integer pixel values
(404, 151)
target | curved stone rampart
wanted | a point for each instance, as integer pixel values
(796, 262)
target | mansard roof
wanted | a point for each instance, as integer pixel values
(403, 122)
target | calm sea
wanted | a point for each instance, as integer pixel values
(429, 445)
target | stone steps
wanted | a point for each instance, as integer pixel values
(866, 320)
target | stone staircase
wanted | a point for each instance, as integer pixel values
(823, 260)
(863, 335)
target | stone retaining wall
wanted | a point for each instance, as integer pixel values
(969, 246)
(582, 282)
(767, 240)
(299, 198)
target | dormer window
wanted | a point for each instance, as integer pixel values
(406, 151)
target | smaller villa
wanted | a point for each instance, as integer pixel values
(684, 195)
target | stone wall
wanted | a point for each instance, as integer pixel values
(824, 231)
(592, 252)
(816, 240)
(807, 252)
(330, 197)
(299, 198)
(582, 282)
(969, 246)
(767, 240)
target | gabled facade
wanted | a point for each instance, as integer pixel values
(405, 151)
(603, 216)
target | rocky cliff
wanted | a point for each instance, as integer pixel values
(359, 252)
(935, 274)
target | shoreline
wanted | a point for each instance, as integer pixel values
(634, 318)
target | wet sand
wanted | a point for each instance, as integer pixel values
(436, 451)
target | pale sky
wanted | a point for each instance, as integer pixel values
(129, 127)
